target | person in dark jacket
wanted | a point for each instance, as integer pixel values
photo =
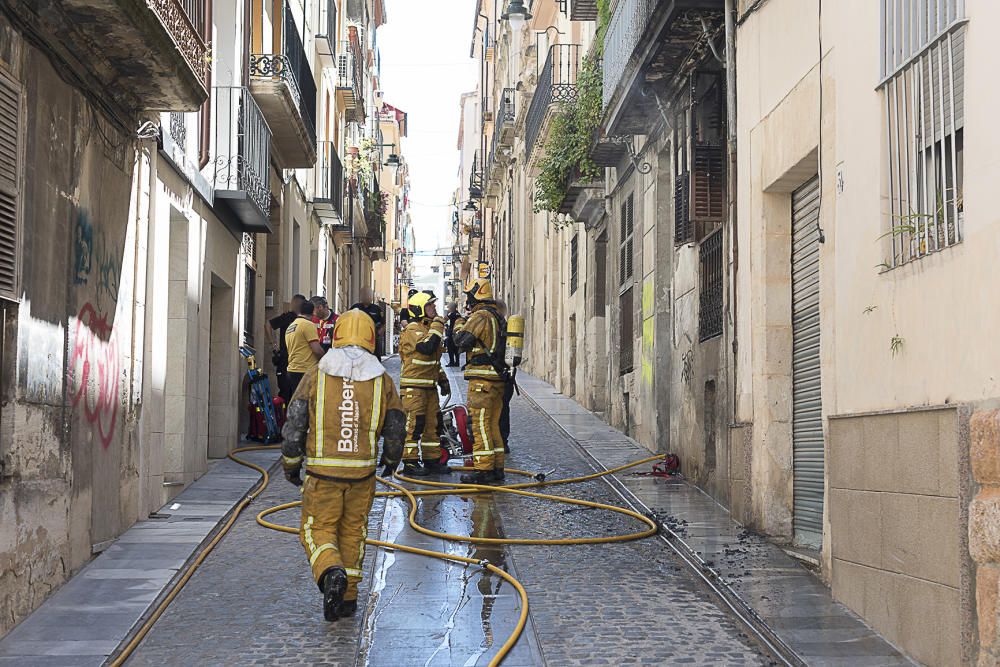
(455, 321)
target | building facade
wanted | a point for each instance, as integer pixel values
(754, 253)
(159, 201)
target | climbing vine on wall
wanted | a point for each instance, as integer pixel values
(571, 135)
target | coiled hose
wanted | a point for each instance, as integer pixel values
(440, 489)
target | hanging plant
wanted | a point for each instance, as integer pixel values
(567, 149)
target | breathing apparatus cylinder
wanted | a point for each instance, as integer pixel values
(515, 341)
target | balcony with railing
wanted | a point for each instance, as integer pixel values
(654, 37)
(375, 218)
(326, 35)
(503, 134)
(329, 187)
(282, 83)
(556, 84)
(139, 54)
(240, 160)
(351, 76)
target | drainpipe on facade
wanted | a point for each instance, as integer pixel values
(730, 10)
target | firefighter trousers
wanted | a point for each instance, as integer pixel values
(421, 406)
(335, 525)
(485, 405)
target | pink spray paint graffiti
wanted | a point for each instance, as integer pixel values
(94, 368)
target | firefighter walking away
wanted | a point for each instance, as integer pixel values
(334, 422)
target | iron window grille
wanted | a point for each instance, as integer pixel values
(710, 295)
(574, 260)
(923, 62)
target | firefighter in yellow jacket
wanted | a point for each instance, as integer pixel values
(334, 422)
(483, 338)
(420, 347)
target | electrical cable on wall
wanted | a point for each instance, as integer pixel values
(819, 151)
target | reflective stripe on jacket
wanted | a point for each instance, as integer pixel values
(345, 422)
(418, 369)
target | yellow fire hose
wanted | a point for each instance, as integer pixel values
(442, 488)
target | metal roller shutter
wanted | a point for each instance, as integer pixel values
(807, 407)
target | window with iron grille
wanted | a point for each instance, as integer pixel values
(625, 330)
(923, 62)
(250, 298)
(710, 296)
(10, 170)
(601, 275)
(574, 258)
(699, 156)
(625, 247)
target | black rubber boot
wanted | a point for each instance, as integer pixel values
(334, 585)
(498, 475)
(347, 608)
(437, 468)
(414, 470)
(478, 477)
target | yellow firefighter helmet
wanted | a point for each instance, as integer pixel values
(355, 327)
(479, 289)
(418, 304)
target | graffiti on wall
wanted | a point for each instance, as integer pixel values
(94, 368)
(96, 261)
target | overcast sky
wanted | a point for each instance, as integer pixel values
(425, 69)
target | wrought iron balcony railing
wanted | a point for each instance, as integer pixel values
(625, 30)
(476, 177)
(503, 125)
(241, 159)
(351, 72)
(329, 185)
(291, 66)
(556, 83)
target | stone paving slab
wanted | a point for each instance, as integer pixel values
(83, 622)
(795, 604)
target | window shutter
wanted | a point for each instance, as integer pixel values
(10, 132)
(708, 184)
(682, 208)
(625, 250)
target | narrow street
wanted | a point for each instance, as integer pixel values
(253, 601)
(743, 242)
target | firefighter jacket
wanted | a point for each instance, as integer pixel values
(420, 349)
(483, 337)
(334, 421)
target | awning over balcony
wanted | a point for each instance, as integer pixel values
(647, 44)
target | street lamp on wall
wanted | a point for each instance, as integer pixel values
(517, 14)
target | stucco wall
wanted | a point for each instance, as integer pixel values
(71, 464)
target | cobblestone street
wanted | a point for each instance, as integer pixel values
(253, 601)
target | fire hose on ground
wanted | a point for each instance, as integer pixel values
(439, 489)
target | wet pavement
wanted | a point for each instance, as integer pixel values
(254, 602)
(754, 573)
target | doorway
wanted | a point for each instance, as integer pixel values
(807, 407)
